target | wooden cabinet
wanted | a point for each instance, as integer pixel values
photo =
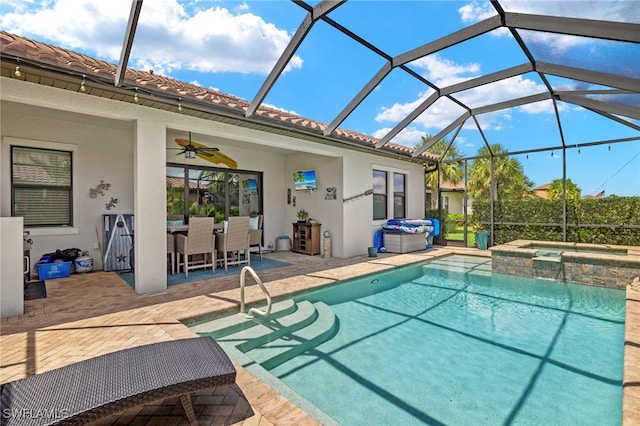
(306, 238)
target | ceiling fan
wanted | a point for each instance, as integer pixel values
(191, 149)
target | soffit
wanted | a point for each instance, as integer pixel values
(48, 65)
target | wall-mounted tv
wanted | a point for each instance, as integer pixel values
(249, 186)
(305, 181)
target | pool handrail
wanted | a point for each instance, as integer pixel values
(264, 290)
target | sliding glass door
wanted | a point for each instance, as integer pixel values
(208, 191)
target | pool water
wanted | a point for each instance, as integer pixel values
(450, 343)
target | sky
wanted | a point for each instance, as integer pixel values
(231, 46)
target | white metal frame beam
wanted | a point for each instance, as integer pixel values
(619, 31)
(134, 15)
(325, 7)
(603, 79)
(606, 107)
(452, 39)
(511, 103)
(362, 94)
(486, 79)
(402, 59)
(408, 119)
(458, 122)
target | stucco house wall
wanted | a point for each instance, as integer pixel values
(125, 145)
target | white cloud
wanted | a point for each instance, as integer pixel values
(554, 44)
(213, 39)
(280, 109)
(381, 132)
(444, 72)
(476, 11)
(409, 136)
(438, 116)
(620, 11)
(398, 111)
(503, 90)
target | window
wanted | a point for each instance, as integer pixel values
(379, 195)
(399, 211)
(41, 186)
(382, 196)
(213, 192)
(445, 202)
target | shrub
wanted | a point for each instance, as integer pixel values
(542, 220)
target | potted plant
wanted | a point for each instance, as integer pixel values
(302, 215)
(482, 236)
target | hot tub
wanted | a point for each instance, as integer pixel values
(592, 264)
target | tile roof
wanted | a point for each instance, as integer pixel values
(42, 55)
(178, 182)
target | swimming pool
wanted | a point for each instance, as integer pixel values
(448, 342)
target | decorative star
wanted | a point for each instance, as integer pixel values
(121, 258)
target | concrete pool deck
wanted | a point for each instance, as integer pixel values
(87, 315)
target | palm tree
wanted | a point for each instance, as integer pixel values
(510, 180)
(555, 190)
(449, 172)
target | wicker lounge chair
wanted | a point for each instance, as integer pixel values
(98, 387)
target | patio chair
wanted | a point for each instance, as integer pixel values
(197, 248)
(95, 388)
(171, 252)
(234, 239)
(255, 233)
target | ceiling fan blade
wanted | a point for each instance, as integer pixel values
(207, 149)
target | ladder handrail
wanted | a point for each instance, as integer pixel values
(259, 281)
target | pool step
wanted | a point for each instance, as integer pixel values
(305, 316)
(287, 346)
(265, 331)
(230, 324)
(266, 342)
(483, 268)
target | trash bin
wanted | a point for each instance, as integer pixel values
(283, 243)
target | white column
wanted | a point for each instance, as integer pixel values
(150, 206)
(11, 267)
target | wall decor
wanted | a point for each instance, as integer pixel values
(111, 204)
(331, 193)
(99, 189)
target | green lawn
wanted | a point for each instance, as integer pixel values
(458, 235)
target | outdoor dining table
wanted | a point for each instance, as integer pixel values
(173, 229)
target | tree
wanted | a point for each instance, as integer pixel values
(555, 190)
(449, 172)
(510, 180)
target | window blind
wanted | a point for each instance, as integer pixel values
(41, 186)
